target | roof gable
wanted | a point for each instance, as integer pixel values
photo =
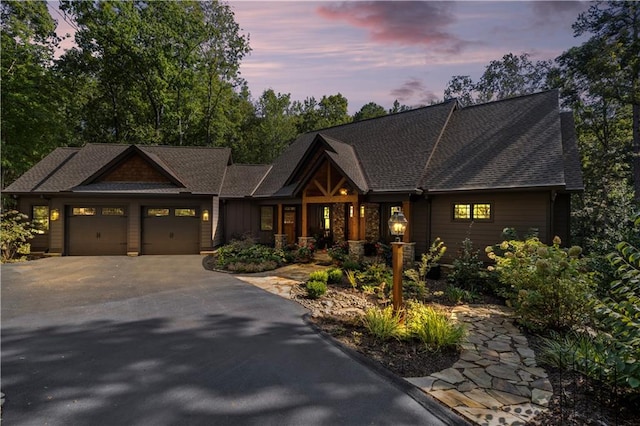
(513, 143)
(380, 147)
(109, 168)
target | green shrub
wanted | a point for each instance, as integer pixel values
(319, 276)
(316, 289)
(351, 265)
(339, 252)
(468, 270)
(416, 290)
(434, 328)
(382, 324)
(548, 286)
(460, 295)
(351, 277)
(335, 275)
(16, 232)
(375, 274)
(428, 260)
(618, 314)
(238, 254)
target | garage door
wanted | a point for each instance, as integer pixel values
(170, 230)
(96, 230)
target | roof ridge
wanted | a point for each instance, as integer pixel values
(435, 145)
(255, 188)
(55, 169)
(394, 114)
(512, 98)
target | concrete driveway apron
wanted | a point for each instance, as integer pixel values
(159, 340)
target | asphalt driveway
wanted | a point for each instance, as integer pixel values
(159, 340)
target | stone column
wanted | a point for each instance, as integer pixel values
(280, 241)
(356, 250)
(408, 255)
(304, 241)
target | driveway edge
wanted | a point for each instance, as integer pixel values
(430, 404)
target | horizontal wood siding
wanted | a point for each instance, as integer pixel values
(519, 210)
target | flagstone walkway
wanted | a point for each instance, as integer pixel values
(496, 380)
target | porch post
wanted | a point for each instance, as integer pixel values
(406, 210)
(304, 218)
(280, 219)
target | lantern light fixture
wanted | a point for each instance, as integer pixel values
(398, 225)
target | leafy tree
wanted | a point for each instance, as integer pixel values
(370, 110)
(615, 46)
(161, 72)
(330, 111)
(274, 127)
(506, 78)
(31, 119)
(16, 233)
(397, 107)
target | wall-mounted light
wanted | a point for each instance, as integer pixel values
(55, 215)
(362, 211)
(344, 191)
(205, 215)
(351, 211)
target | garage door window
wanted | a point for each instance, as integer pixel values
(84, 211)
(112, 211)
(157, 212)
(185, 212)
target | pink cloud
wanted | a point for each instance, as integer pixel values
(413, 23)
(412, 89)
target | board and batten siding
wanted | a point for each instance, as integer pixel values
(242, 217)
(420, 226)
(519, 210)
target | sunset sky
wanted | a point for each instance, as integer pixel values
(381, 51)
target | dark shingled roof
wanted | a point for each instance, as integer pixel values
(199, 169)
(522, 142)
(392, 149)
(513, 143)
(36, 175)
(241, 180)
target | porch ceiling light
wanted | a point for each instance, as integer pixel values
(398, 225)
(344, 191)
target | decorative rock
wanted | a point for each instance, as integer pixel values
(482, 397)
(507, 398)
(464, 364)
(543, 384)
(485, 362)
(541, 397)
(526, 352)
(441, 385)
(524, 391)
(498, 346)
(450, 375)
(466, 386)
(504, 386)
(487, 417)
(478, 376)
(470, 356)
(503, 371)
(453, 398)
(423, 383)
(511, 358)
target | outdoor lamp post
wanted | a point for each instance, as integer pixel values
(397, 227)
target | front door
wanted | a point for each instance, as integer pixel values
(290, 224)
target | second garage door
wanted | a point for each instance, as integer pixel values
(170, 230)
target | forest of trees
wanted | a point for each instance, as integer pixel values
(168, 73)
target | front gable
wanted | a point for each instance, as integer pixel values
(135, 166)
(327, 167)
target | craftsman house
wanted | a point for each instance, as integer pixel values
(454, 171)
